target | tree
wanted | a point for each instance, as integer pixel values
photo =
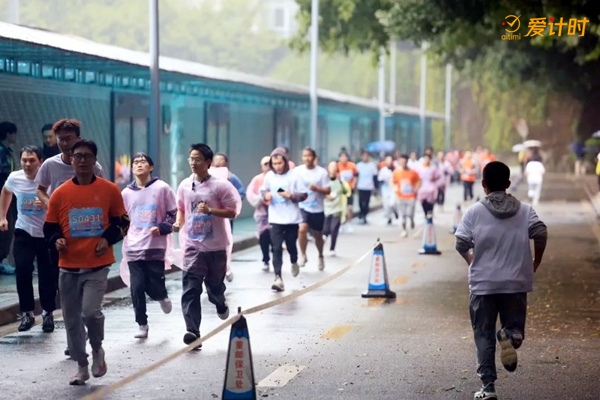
(468, 34)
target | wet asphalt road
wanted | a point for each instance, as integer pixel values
(418, 347)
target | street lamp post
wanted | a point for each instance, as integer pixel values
(381, 96)
(154, 133)
(448, 105)
(423, 93)
(314, 52)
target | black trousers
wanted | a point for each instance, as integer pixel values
(364, 198)
(468, 190)
(441, 196)
(147, 277)
(484, 311)
(214, 265)
(26, 250)
(332, 228)
(427, 207)
(6, 237)
(279, 234)
(265, 245)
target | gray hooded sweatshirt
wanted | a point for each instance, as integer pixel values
(499, 229)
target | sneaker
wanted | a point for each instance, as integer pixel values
(47, 322)
(349, 228)
(321, 263)
(82, 375)
(303, 261)
(508, 354)
(229, 276)
(142, 332)
(27, 321)
(278, 284)
(330, 253)
(166, 306)
(404, 234)
(67, 352)
(98, 363)
(265, 267)
(486, 392)
(225, 314)
(295, 269)
(191, 337)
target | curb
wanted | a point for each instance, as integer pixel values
(7, 314)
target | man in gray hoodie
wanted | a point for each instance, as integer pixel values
(493, 238)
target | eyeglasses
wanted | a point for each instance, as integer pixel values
(83, 156)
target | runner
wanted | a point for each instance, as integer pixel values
(367, 176)
(534, 172)
(283, 189)
(468, 175)
(29, 243)
(388, 196)
(86, 217)
(8, 137)
(500, 271)
(407, 184)
(317, 181)
(152, 207)
(428, 190)
(335, 206)
(204, 203)
(348, 173)
(58, 169)
(261, 212)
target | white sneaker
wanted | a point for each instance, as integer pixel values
(349, 228)
(229, 276)
(166, 305)
(265, 267)
(321, 264)
(404, 234)
(330, 253)
(82, 375)
(278, 284)
(295, 269)
(142, 332)
(303, 261)
(98, 363)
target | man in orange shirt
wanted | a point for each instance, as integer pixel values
(86, 217)
(407, 182)
(348, 173)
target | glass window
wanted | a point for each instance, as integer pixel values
(279, 18)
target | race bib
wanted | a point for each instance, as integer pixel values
(201, 227)
(406, 187)
(347, 175)
(86, 222)
(27, 206)
(144, 216)
(311, 200)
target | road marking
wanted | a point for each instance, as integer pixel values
(337, 332)
(417, 232)
(281, 376)
(418, 264)
(400, 280)
(373, 302)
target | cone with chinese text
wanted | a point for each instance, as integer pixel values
(239, 372)
(429, 240)
(456, 218)
(378, 278)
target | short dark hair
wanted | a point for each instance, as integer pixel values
(404, 155)
(344, 153)
(6, 128)
(141, 154)
(69, 125)
(90, 144)
(312, 151)
(31, 149)
(224, 156)
(205, 149)
(496, 175)
(47, 127)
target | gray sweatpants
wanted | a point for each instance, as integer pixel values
(81, 300)
(484, 310)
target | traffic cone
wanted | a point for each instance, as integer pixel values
(429, 241)
(456, 219)
(239, 372)
(378, 278)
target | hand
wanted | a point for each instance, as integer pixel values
(38, 203)
(3, 224)
(332, 195)
(61, 244)
(285, 194)
(154, 231)
(536, 264)
(267, 196)
(101, 247)
(314, 188)
(203, 208)
(176, 226)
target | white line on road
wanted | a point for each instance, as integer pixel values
(281, 376)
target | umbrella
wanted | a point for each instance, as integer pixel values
(596, 135)
(385, 146)
(532, 143)
(518, 148)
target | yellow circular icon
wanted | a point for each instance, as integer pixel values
(512, 24)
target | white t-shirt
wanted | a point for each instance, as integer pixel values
(366, 172)
(535, 172)
(30, 217)
(283, 211)
(319, 177)
(54, 172)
